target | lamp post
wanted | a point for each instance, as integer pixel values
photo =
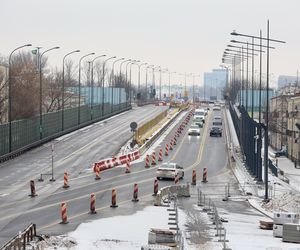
(63, 88)
(41, 89)
(139, 82)
(92, 85)
(126, 79)
(266, 139)
(120, 80)
(149, 66)
(9, 93)
(112, 82)
(103, 78)
(132, 63)
(79, 84)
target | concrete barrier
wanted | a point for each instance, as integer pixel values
(180, 190)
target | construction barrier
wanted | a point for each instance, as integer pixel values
(114, 198)
(155, 187)
(127, 171)
(135, 193)
(180, 190)
(160, 157)
(64, 217)
(32, 189)
(176, 179)
(153, 163)
(97, 173)
(66, 185)
(147, 160)
(171, 144)
(194, 177)
(93, 204)
(204, 175)
(175, 140)
(167, 150)
(116, 161)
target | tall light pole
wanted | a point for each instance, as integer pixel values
(139, 82)
(103, 79)
(266, 139)
(126, 80)
(79, 84)
(9, 93)
(149, 66)
(120, 79)
(92, 85)
(132, 63)
(41, 89)
(112, 80)
(63, 88)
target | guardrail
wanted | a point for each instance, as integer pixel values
(20, 240)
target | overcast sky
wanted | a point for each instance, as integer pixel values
(181, 35)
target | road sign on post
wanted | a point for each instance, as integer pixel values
(133, 127)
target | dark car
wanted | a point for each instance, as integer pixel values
(215, 131)
(279, 153)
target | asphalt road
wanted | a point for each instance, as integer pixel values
(192, 152)
(75, 153)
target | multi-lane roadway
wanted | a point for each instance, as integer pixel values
(76, 152)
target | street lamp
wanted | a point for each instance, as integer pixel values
(9, 93)
(132, 63)
(120, 79)
(266, 140)
(149, 66)
(41, 90)
(63, 88)
(79, 83)
(126, 80)
(113, 82)
(103, 77)
(139, 83)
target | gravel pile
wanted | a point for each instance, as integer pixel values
(56, 242)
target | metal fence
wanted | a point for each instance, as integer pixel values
(28, 133)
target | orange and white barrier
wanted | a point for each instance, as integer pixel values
(167, 150)
(147, 161)
(127, 171)
(114, 198)
(97, 173)
(66, 180)
(204, 175)
(160, 157)
(155, 188)
(176, 179)
(135, 193)
(171, 144)
(153, 163)
(32, 189)
(194, 177)
(93, 204)
(64, 217)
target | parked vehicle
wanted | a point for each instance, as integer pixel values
(169, 170)
(281, 152)
(194, 130)
(215, 131)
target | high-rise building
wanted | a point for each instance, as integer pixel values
(214, 84)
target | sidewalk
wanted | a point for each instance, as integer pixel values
(284, 196)
(288, 167)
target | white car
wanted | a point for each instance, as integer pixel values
(169, 170)
(194, 130)
(199, 118)
(217, 108)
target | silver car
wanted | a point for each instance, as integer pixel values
(169, 170)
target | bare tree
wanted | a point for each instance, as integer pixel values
(3, 96)
(70, 70)
(24, 86)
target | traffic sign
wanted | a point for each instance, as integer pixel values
(133, 126)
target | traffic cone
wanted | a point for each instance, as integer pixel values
(135, 193)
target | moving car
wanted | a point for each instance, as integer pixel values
(216, 108)
(194, 130)
(198, 121)
(215, 131)
(168, 170)
(217, 121)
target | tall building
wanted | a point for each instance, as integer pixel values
(214, 84)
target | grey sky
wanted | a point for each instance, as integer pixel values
(182, 35)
